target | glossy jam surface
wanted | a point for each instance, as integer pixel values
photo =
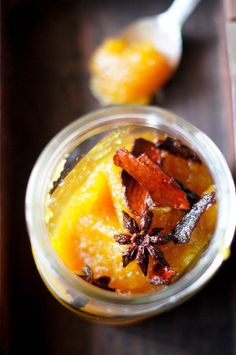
(124, 73)
(85, 212)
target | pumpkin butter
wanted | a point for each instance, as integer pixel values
(134, 213)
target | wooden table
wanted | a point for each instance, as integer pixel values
(46, 47)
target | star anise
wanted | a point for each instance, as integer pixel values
(143, 243)
(102, 281)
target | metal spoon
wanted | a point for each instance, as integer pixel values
(163, 30)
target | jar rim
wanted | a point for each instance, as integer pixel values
(148, 116)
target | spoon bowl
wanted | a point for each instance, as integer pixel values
(134, 65)
(165, 37)
(163, 31)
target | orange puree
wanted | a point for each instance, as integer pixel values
(86, 213)
(125, 73)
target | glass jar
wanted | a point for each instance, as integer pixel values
(92, 302)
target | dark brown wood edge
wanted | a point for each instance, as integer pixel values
(4, 290)
(229, 86)
(4, 219)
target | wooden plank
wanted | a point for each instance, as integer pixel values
(46, 51)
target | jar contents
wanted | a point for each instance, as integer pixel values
(123, 73)
(134, 213)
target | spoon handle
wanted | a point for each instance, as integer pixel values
(180, 10)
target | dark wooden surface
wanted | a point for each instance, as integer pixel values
(45, 50)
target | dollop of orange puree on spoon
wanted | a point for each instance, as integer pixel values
(123, 73)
